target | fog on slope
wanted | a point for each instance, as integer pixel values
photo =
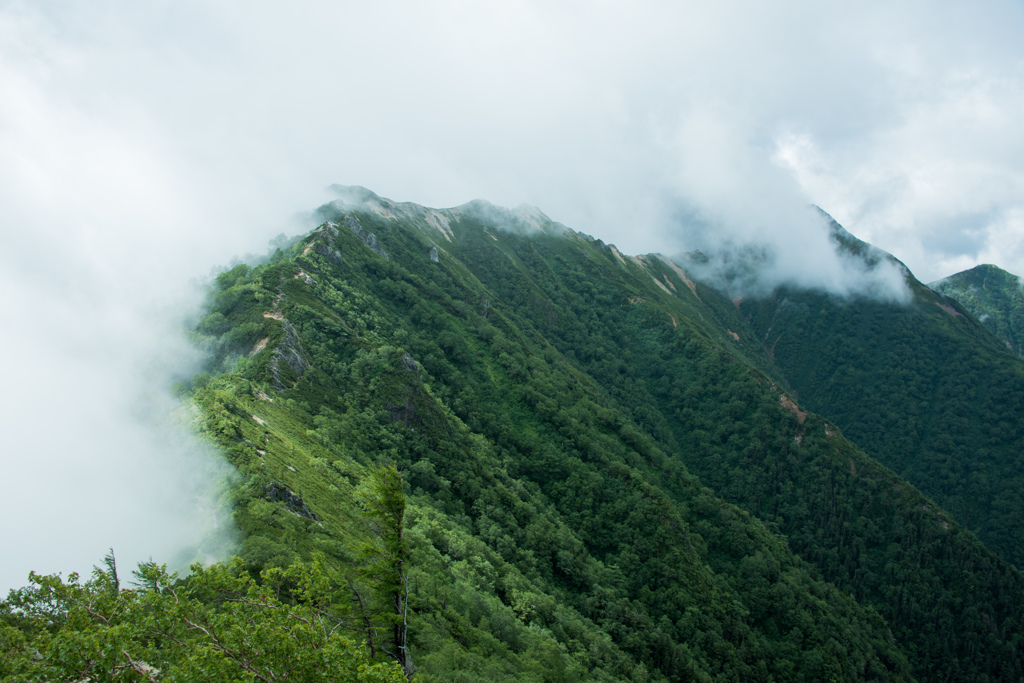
(743, 250)
(102, 275)
(98, 454)
(101, 237)
(803, 256)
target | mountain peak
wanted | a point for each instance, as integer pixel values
(994, 296)
(525, 219)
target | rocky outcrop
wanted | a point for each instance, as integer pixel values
(404, 412)
(433, 255)
(368, 238)
(289, 353)
(329, 253)
(279, 493)
(410, 364)
(306, 277)
(371, 241)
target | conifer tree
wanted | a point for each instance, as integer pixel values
(385, 553)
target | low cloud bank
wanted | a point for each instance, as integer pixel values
(806, 253)
(98, 453)
(751, 220)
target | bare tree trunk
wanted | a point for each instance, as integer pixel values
(402, 631)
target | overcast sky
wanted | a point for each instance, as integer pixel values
(143, 143)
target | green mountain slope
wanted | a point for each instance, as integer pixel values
(607, 476)
(552, 538)
(685, 365)
(994, 297)
(550, 401)
(923, 387)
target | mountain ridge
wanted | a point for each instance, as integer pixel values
(608, 475)
(519, 278)
(993, 296)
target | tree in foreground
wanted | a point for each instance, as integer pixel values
(218, 625)
(384, 555)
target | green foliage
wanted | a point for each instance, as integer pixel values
(924, 389)
(384, 556)
(509, 450)
(940, 590)
(220, 624)
(551, 537)
(994, 297)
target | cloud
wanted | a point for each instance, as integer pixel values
(101, 236)
(97, 453)
(145, 142)
(752, 222)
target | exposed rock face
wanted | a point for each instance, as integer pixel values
(259, 346)
(279, 493)
(289, 353)
(410, 363)
(403, 408)
(404, 412)
(369, 239)
(433, 255)
(329, 253)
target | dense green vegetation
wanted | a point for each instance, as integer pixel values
(923, 387)
(864, 528)
(524, 456)
(547, 532)
(994, 297)
(219, 625)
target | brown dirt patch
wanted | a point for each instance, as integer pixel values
(787, 403)
(681, 273)
(259, 346)
(658, 282)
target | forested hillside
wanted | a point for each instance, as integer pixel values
(994, 297)
(689, 388)
(605, 474)
(922, 387)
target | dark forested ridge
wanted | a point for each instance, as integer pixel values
(605, 475)
(924, 388)
(994, 297)
(687, 387)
